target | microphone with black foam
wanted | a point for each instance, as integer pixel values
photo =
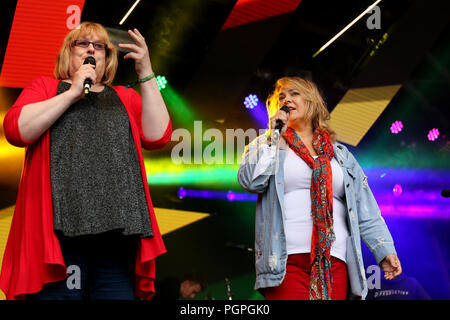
(88, 82)
(279, 125)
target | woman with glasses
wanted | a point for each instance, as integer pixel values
(84, 225)
(314, 204)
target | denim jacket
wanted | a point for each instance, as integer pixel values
(364, 218)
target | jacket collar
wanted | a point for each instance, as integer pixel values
(340, 151)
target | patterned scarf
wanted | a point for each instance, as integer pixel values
(321, 208)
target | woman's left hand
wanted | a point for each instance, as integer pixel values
(139, 53)
(391, 267)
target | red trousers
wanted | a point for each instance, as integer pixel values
(295, 285)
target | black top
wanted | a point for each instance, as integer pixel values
(95, 175)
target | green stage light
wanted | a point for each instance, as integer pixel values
(162, 82)
(165, 172)
(179, 108)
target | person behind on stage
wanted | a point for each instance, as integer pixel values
(314, 204)
(84, 225)
(173, 288)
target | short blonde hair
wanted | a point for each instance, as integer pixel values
(86, 28)
(316, 110)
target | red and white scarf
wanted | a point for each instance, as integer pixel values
(321, 208)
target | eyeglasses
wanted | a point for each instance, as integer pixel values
(86, 43)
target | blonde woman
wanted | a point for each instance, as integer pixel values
(314, 204)
(84, 225)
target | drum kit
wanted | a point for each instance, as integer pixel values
(230, 293)
(227, 280)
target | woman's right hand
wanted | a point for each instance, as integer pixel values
(280, 115)
(85, 71)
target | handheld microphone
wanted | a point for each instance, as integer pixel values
(88, 82)
(279, 124)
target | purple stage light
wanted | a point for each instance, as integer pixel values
(215, 195)
(181, 193)
(396, 127)
(231, 196)
(397, 190)
(433, 134)
(251, 101)
(421, 197)
(258, 110)
(416, 211)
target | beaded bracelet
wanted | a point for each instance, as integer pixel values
(150, 77)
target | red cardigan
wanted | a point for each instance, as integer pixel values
(33, 255)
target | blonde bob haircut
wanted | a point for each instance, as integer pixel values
(83, 30)
(316, 111)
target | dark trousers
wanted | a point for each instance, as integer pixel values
(99, 267)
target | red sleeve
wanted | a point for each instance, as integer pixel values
(161, 142)
(136, 102)
(34, 92)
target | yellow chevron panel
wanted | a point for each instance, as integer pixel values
(168, 221)
(358, 110)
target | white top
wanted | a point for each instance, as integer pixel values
(298, 223)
